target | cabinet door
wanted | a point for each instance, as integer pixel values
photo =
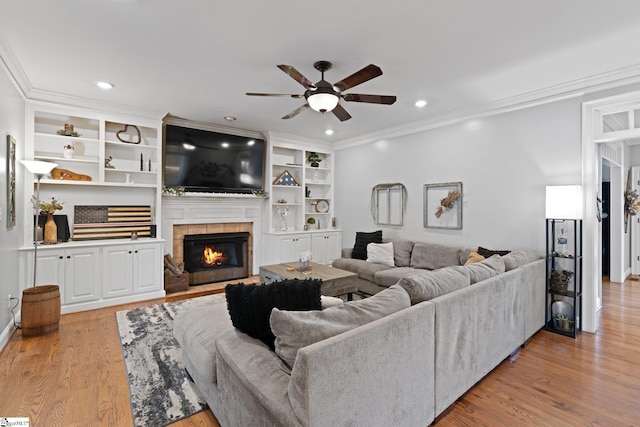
(292, 245)
(325, 247)
(50, 268)
(82, 274)
(117, 279)
(146, 268)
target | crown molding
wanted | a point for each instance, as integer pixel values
(296, 140)
(573, 89)
(13, 67)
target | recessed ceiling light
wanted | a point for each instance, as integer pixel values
(421, 103)
(105, 85)
(329, 132)
(229, 118)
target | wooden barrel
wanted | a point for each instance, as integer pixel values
(40, 310)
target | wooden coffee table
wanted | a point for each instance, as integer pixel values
(335, 282)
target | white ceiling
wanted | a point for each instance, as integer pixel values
(195, 59)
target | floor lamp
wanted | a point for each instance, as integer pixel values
(39, 169)
(40, 304)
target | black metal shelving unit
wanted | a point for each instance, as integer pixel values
(564, 277)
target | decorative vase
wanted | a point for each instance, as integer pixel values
(315, 164)
(50, 231)
(304, 265)
(68, 153)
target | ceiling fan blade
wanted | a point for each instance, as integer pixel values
(341, 113)
(297, 76)
(296, 111)
(372, 99)
(367, 73)
(274, 94)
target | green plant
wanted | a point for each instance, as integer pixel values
(311, 221)
(313, 157)
(47, 207)
(172, 191)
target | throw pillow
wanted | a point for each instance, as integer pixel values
(402, 252)
(474, 257)
(380, 253)
(427, 285)
(294, 330)
(432, 256)
(362, 240)
(250, 305)
(490, 252)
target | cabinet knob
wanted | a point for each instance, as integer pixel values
(129, 251)
(136, 252)
(61, 257)
(68, 256)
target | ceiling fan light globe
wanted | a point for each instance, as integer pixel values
(323, 102)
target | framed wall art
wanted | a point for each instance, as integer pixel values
(443, 205)
(11, 181)
(387, 204)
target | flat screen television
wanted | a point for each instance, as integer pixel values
(206, 161)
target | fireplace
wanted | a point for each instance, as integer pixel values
(216, 257)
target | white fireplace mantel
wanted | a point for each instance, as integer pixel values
(214, 209)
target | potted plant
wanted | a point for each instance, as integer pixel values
(314, 159)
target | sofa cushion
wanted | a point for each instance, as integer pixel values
(250, 305)
(426, 285)
(516, 259)
(365, 270)
(432, 256)
(362, 240)
(490, 252)
(391, 276)
(402, 252)
(380, 253)
(485, 269)
(197, 329)
(297, 329)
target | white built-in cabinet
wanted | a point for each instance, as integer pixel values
(120, 158)
(75, 270)
(130, 269)
(300, 216)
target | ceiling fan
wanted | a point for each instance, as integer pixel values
(324, 96)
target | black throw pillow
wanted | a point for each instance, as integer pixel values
(489, 252)
(362, 240)
(250, 305)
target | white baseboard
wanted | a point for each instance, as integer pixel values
(6, 335)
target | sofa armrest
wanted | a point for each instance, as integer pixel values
(346, 252)
(381, 373)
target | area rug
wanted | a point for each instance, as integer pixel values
(161, 390)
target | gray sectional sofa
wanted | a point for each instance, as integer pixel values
(400, 357)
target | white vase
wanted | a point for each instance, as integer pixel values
(68, 153)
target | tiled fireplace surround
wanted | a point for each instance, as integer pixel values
(206, 214)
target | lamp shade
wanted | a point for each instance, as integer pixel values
(323, 102)
(37, 167)
(564, 202)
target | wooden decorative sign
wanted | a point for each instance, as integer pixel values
(111, 222)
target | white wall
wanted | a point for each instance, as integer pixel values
(12, 122)
(504, 163)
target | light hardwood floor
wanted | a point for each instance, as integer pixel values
(76, 377)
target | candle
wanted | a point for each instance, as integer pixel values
(141, 162)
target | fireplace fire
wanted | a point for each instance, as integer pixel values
(216, 257)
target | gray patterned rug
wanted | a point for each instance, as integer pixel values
(161, 391)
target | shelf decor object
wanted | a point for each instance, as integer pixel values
(40, 304)
(129, 136)
(564, 260)
(285, 178)
(11, 181)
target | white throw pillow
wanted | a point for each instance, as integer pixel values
(380, 253)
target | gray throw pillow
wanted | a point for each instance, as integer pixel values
(402, 252)
(432, 256)
(427, 285)
(485, 269)
(297, 329)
